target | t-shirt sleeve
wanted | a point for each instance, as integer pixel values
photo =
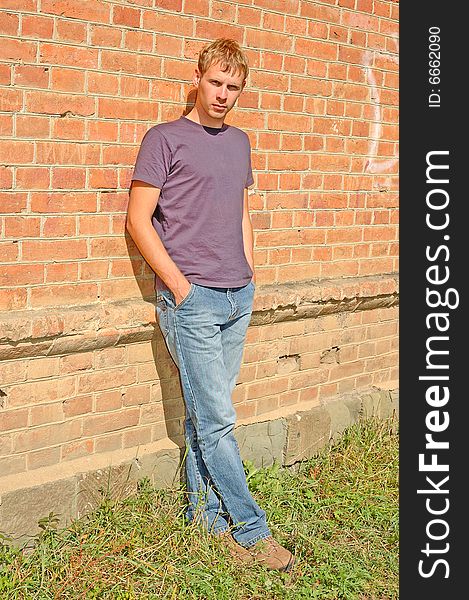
(249, 177)
(153, 160)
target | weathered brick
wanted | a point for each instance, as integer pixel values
(99, 424)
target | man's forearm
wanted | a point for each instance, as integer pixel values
(151, 248)
(248, 241)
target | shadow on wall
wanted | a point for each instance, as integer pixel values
(171, 395)
(141, 277)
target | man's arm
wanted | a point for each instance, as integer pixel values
(248, 234)
(143, 199)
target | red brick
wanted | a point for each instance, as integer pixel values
(59, 226)
(294, 64)
(22, 227)
(315, 49)
(12, 151)
(78, 405)
(99, 424)
(272, 62)
(119, 108)
(17, 49)
(139, 41)
(125, 15)
(136, 395)
(106, 36)
(71, 31)
(246, 15)
(67, 80)
(21, 274)
(269, 81)
(68, 178)
(6, 179)
(20, 5)
(32, 126)
(48, 413)
(103, 131)
(137, 437)
(293, 104)
(108, 443)
(15, 299)
(103, 178)
(77, 449)
(57, 295)
(171, 5)
(61, 272)
(321, 12)
(301, 272)
(106, 401)
(6, 72)
(9, 24)
(211, 30)
(58, 104)
(288, 6)
(281, 122)
(13, 419)
(37, 26)
(68, 129)
(66, 56)
(93, 225)
(290, 181)
(104, 380)
(168, 23)
(47, 436)
(270, 101)
(43, 458)
(288, 162)
(104, 83)
(31, 178)
(67, 153)
(54, 250)
(88, 10)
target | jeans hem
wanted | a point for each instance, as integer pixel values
(258, 538)
(218, 530)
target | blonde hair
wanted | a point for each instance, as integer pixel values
(225, 51)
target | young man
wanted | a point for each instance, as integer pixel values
(188, 215)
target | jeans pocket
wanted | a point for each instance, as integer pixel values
(186, 298)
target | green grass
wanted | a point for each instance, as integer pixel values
(337, 511)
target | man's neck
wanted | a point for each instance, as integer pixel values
(197, 116)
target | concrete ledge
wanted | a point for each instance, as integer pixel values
(70, 329)
(284, 436)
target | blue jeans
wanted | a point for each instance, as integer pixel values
(205, 336)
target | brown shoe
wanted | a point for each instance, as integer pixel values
(272, 555)
(237, 551)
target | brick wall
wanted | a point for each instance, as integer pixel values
(84, 372)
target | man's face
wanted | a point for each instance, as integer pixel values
(217, 92)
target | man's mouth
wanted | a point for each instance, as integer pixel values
(218, 107)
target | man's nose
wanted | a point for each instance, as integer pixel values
(222, 93)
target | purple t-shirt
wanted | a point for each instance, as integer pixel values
(202, 173)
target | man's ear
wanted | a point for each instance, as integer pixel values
(196, 77)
